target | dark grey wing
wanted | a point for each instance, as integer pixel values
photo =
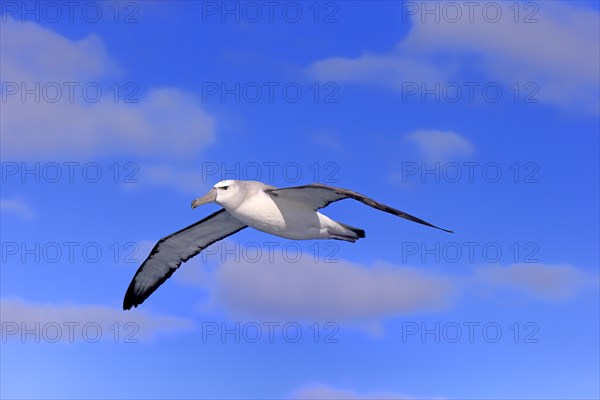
(318, 196)
(315, 195)
(168, 254)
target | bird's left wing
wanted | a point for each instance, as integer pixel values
(317, 195)
(168, 254)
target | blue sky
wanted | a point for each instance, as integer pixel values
(483, 119)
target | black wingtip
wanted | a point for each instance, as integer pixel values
(131, 300)
(422, 222)
(127, 303)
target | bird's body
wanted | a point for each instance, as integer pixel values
(289, 213)
(283, 217)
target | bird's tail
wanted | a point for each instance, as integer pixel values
(360, 233)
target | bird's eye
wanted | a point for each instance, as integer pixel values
(224, 187)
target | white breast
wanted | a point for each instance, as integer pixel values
(279, 217)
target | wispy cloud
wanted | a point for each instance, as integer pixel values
(380, 70)
(567, 72)
(320, 391)
(542, 281)
(16, 207)
(440, 145)
(18, 315)
(188, 180)
(328, 141)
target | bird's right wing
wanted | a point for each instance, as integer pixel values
(168, 254)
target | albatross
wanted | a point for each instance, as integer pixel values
(286, 212)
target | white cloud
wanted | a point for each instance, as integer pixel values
(272, 287)
(545, 282)
(18, 316)
(185, 180)
(560, 54)
(328, 141)
(32, 53)
(342, 291)
(384, 70)
(16, 207)
(440, 145)
(321, 391)
(165, 123)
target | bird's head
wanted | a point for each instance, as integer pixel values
(225, 193)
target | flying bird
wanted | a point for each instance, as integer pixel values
(287, 212)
